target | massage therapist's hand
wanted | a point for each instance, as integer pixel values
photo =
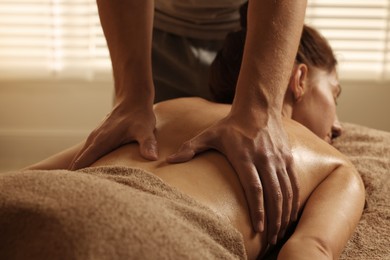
(127, 27)
(255, 148)
(126, 123)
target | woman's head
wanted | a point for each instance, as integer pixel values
(311, 100)
(313, 86)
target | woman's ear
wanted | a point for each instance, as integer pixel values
(298, 81)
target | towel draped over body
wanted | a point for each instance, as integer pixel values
(107, 213)
(126, 213)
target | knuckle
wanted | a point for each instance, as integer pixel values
(278, 197)
(187, 145)
(92, 136)
(255, 188)
(267, 157)
(288, 156)
(98, 141)
(258, 215)
(289, 195)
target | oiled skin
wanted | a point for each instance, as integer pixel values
(331, 190)
(209, 178)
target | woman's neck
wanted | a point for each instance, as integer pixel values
(287, 110)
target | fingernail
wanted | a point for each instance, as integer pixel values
(282, 233)
(153, 153)
(274, 239)
(295, 217)
(261, 226)
(73, 166)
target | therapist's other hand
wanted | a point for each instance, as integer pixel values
(259, 152)
(124, 124)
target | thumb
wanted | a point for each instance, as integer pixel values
(148, 148)
(190, 148)
(184, 154)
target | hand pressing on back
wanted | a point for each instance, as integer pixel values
(260, 154)
(124, 124)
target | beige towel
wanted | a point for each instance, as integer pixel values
(67, 215)
(369, 150)
(107, 213)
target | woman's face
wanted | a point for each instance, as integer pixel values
(317, 108)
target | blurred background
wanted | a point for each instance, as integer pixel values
(56, 82)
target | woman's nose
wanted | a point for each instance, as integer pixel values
(337, 129)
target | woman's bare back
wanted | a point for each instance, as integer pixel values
(209, 178)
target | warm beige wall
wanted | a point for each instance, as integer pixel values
(40, 118)
(365, 103)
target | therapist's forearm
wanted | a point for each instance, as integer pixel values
(127, 26)
(273, 32)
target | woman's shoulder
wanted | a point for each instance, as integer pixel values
(304, 143)
(195, 114)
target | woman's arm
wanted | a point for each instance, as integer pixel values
(60, 160)
(329, 217)
(332, 198)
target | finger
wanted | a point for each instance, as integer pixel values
(253, 189)
(85, 159)
(286, 188)
(273, 200)
(148, 148)
(93, 151)
(190, 148)
(75, 161)
(295, 190)
(184, 154)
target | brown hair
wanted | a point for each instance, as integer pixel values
(314, 51)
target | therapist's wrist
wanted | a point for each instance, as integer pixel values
(256, 104)
(135, 87)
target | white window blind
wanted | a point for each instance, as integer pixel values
(51, 38)
(359, 32)
(63, 38)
